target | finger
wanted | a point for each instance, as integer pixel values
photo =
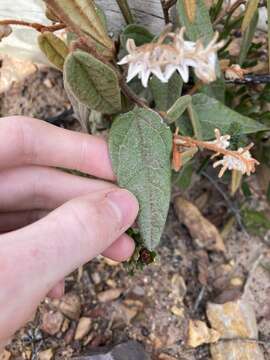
(57, 291)
(120, 250)
(14, 220)
(27, 141)
(36, 187)
(38, 256)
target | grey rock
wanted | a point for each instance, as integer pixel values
(130, 350)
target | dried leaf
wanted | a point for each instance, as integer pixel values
(140, 147)
(199, 227)
(5, 31)
(190, 8)
(82, 18)
(252, 6)
(54, 48)
(236, 181)
(92, 82)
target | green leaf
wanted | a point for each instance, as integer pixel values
(54, 48)
(165, 94)
(178, 108)
(138, 33)
(252, 7)
(256, 222)
(216, 90)
(92, 82)
(248, 37)
(140, 146)
(195, 121)
(184, 177)
(201, 27)
(268, 25)
(81, 111)
(213, 114)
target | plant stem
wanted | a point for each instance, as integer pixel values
(251, 79)
(131, 95)
(268, 11)
(125, 9)
(36, 26)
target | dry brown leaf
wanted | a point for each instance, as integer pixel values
(199, 227)
(250, 11)
(191, 8)
(236, 181)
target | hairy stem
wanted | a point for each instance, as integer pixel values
(36, 26)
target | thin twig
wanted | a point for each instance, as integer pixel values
(126, 12)
(251, 273)
(36, 26)
(131, 95)
(251, 79)
(199, 299)
(165, 11)
(228, 10)
(166, 5)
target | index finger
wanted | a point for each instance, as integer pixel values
(28, 141)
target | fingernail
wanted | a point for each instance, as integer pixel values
(125, 205)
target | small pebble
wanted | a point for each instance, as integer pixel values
(83, 328)
(70, 306)
(109, 295)
(45, 355)
(51, 322)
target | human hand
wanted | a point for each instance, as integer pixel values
(51, 222)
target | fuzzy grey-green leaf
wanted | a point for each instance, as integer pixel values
(54, 48)
(213, 114)
(178, 108)
(140, 147)
(165, 94)
(201, 27)
(92, 82)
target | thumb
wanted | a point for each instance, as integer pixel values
(35, 258)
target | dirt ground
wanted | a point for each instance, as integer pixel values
(153, 306)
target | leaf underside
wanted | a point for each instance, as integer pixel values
(140, 147)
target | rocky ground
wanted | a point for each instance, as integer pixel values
(196, 301)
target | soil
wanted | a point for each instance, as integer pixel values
(153, 306)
